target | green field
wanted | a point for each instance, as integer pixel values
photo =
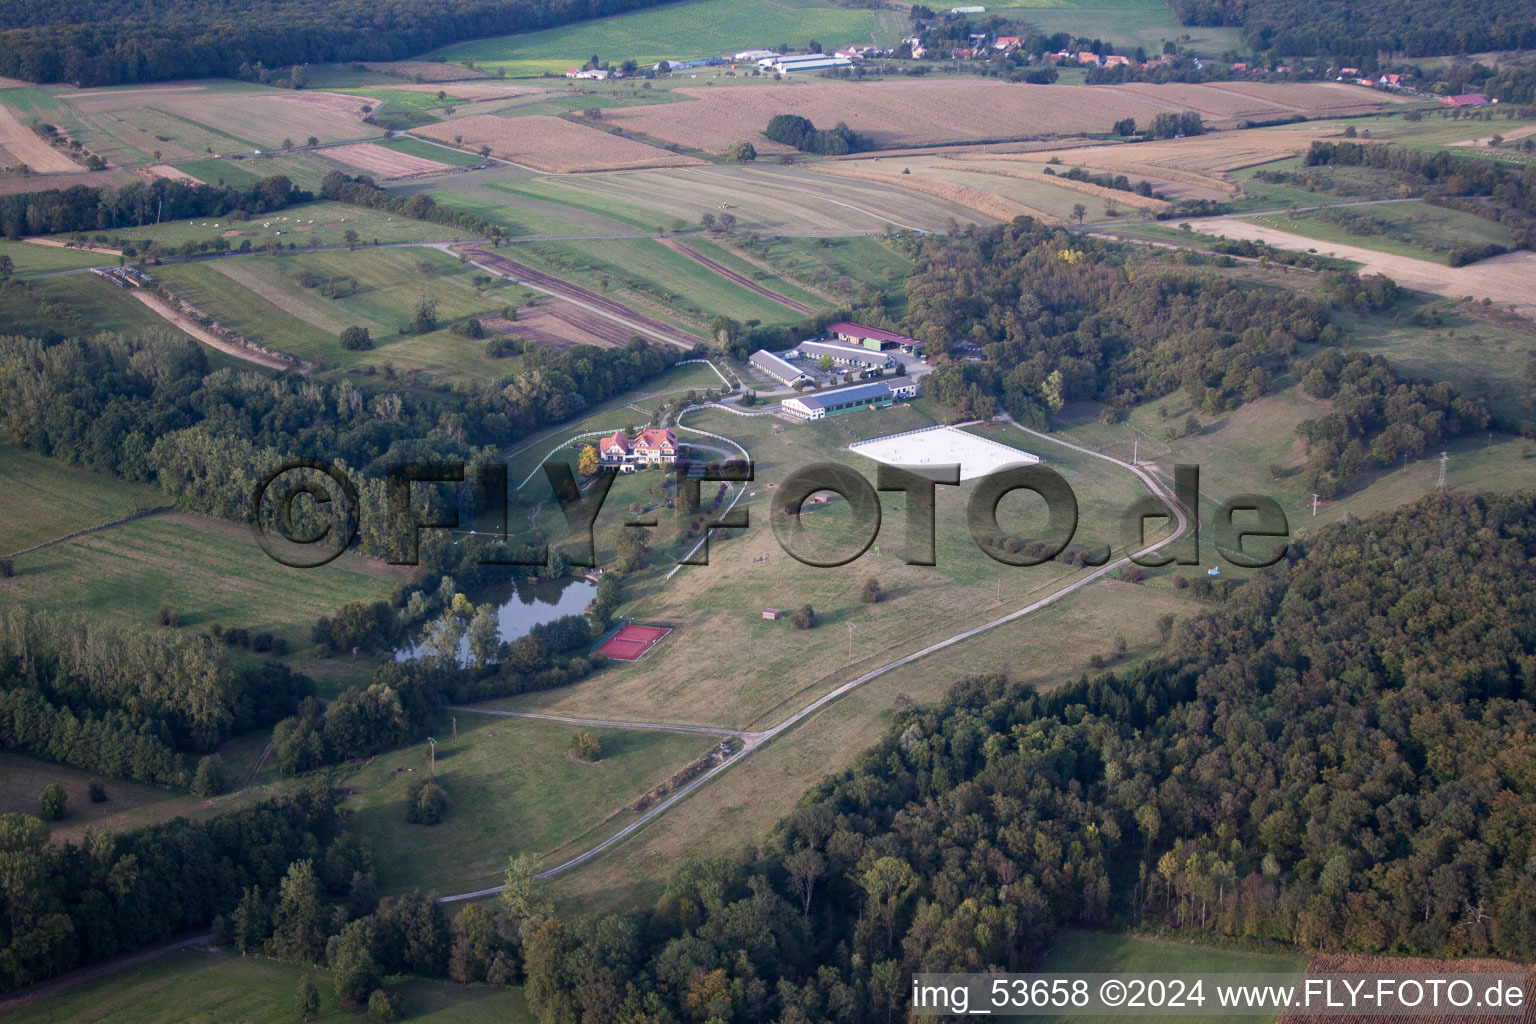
(1411, 229)
(524, 217)
(304, 169)
(262, 299)
(197, 987)
(683, 31)
(304, 226)
(1124, 23)
(82, 304)
(31, 258)
(577, 196)
(657, 281)
(205, 570)
(831, 267)
(41, 499)
(432, 151)
(512, 790)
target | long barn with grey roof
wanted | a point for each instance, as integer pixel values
(874, 395)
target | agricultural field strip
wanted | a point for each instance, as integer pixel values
(603, 723)
(541, 282)
(755, 741)
(732, 276)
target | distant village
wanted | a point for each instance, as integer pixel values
(968, 34)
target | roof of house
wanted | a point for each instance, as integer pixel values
(616, 439)
(838, 350)
(860, 331)
(1466, 99)
(657, 437)
(873, 391)
(776, 365)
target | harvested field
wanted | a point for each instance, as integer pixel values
(10, 184)
(731, 275)
(1417, 967)
(1200, 162)
(387, 163)
(21, 145)
(183, 122)
(1503, 279)
(905, 113)
(968, 196)
(553, 144)
(560, 325)
(1136, 200)
(167, 171)
(615, 312)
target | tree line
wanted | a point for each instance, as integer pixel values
(95, 42)
(362, 191)
(1358, 29)
(128, 702)
(138, 204)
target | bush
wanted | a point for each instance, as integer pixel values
(871, 593)
(428, 803)
(383, 1008)
(356, 339)
(804, 617)
(586, 746)
(209, 780)
(97, 792)
(53, 802)
(503, 348)
(7, 569)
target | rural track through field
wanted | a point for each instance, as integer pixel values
(732, 276)
(550, 285)
(753, 741)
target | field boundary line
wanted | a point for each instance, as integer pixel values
(143, 513)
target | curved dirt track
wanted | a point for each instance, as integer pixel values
(1504, 279)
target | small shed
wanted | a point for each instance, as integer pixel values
(771, 614)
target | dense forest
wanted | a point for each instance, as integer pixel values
(1357, 29)
(1335, 757)
(98, 42)
(127, 702)
(1063, 318)
(64, 905)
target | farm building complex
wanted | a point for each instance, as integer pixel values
(874, 395)
(874, 338)
(845, 355)
(650, 447)
(779, 368)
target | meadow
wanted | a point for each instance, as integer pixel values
(42, 499)
(186, 120)
(512, 789)
(677, 32)
(1413, 229)
(89, 306)
(305, 225)
(717, 608)
(263, 300)
(657, 280)
(205, 570)
(197, 986)
(34, 258)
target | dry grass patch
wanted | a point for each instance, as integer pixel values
(386, 163)
(968, 196)
(21, 145)
(167, 171)
(427, 70)
(185, 121)
(553, 144)
(1141, 202)
(474, 92)
(907, 113)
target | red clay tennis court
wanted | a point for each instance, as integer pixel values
(631, 643)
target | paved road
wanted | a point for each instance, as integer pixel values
(755, 741)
